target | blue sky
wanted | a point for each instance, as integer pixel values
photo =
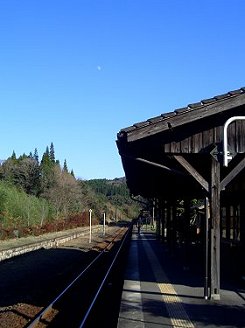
(74, 72)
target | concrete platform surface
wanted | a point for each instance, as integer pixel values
(160, 291)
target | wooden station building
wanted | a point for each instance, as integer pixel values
(193, 153)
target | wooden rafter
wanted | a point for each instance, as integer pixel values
(231, 175)
(196, 175)
(161, 166)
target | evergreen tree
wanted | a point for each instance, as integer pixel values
(24, 156)
(65, 168)
(46, 158)
(13, 157)
(35, 156)
(46, 167)
(52, 153)
(72, 173)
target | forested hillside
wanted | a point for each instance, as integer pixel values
(115, 196)
(42, 195)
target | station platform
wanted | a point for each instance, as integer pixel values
(160, 291)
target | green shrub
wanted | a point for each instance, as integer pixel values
(19, 209)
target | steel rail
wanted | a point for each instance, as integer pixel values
(83, 323)
(39, 317)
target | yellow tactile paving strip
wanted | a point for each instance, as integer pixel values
(176, 311)
(178, 316)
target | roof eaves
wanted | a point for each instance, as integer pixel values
(208, 101)
(141, 124)
(191, 107)
(195, 105)
(181, 110)
(222, 97)
(155, 119)
(237, 92)
(168, 115)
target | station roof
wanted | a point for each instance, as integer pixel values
(150, 149)
(192, 112)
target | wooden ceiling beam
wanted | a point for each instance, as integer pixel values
(161, 166)
(231, 175)
(192, 171)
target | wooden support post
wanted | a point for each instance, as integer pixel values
(242, 238)
(228, 222)
(242, 224)
(187, 215)
(168, 213)
(174, 224)
(158, 216)
(156, 206)
(206, 252)
(171, 238)
(215, 229)
(165, 227)
(158, 224)
(163, 219)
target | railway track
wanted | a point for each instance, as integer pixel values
(78, 303)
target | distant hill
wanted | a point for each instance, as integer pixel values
(114, 195)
